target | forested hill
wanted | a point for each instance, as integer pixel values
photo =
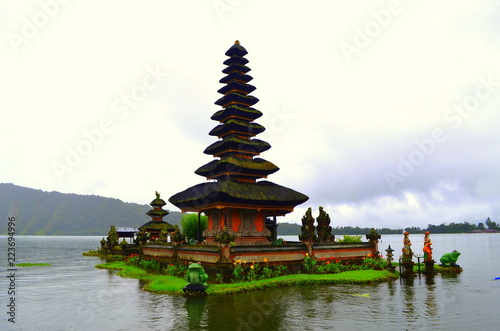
(53, 213)
(488, 225)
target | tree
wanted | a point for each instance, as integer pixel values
(112, 237)
(189, 223)
(491, 224)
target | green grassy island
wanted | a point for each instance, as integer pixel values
(173, 285)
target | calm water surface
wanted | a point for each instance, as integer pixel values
(73, 295)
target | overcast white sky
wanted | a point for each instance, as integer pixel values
(386, 114)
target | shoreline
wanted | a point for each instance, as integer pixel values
(163, 284)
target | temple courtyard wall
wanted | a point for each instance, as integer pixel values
(290, 253)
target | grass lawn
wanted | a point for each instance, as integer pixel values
(170, 284)
(155, 283)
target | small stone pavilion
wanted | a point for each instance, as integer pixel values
(235, 197)
(157, 223)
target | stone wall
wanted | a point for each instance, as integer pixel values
(273, 254)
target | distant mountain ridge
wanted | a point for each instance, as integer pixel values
(53, 213)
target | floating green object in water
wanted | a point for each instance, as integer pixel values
(365, 295)
(32, 264)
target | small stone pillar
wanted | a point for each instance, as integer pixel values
(389, 255)
(408, 268)
(225, 252)
(429, 266)
(309, 245)
(373, 238)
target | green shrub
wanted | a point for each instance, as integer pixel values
(244, 272)
(189, 224)
(309, 263)
(350, 239)
(92, 253)
(267, 272)
(329, 268)
(238, 272)
(374, 263)
(178, 270)
(218, 278)
(279, 241)
(152, 264)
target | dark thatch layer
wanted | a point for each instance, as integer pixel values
(236, 50)
(237, 111)
(238, 98)
(234, 125)
(159, 212)
(236, 67)
(244, 88)
(235, 76)
(235, 60)
(151, 225)
(158, 202)
(231, 143)
(263, 193)
(235, 165)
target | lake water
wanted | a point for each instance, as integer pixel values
(73, 295)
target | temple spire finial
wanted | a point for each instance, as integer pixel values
(237, 42)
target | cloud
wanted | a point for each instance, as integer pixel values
(336, 128)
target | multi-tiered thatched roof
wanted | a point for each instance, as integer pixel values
(237, 169)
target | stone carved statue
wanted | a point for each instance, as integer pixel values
(449, 259)
(407, 252)
(308, 228)
(196, 278)
(323, 228)
(427, 247)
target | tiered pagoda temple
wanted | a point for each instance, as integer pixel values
(157, 223)
(236, 197)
